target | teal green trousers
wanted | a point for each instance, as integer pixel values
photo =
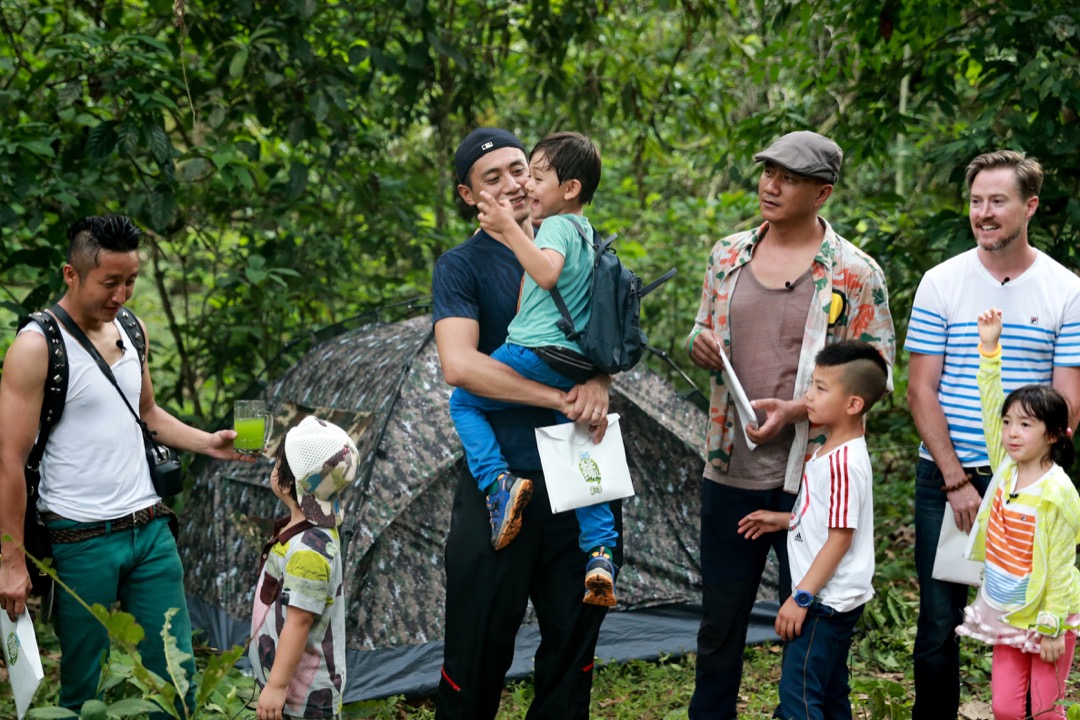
(139, 568)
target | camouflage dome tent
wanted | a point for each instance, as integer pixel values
(382, 383)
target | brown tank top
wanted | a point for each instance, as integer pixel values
(767, 328)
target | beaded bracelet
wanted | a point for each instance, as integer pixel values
(996, 352)
(957, 486)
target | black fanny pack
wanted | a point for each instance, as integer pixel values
(567, 363)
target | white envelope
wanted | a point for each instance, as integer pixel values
(22, 658)
(954, 546)
(747, 415)
(577, 471)
(950, 562)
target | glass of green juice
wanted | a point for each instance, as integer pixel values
(252, 423)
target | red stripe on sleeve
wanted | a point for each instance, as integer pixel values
(840, 486)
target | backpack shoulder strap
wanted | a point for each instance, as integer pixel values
(131, 326)
(56, 384)
(657, 283)
(566, 323)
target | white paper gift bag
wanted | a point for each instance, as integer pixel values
(577, 471)
(950, 562)
(22, 659)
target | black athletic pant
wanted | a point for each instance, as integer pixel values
(486, 596)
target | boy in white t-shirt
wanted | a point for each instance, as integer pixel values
(830, 536)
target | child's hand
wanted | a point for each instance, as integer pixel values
(1051, 648)
(496, 217)
(789, 620)
(989, 329)
(271, 703)
(760, 522)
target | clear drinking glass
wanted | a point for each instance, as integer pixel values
(252, 422)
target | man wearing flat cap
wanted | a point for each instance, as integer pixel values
(773, 297)
(475, 288)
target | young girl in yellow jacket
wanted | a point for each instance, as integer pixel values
(1028, 607)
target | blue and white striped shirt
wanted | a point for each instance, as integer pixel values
(1041, 330)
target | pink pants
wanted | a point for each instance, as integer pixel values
(1014, 671)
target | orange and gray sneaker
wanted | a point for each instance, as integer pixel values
(506, 506)
(600, 578)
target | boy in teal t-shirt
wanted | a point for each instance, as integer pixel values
(565, 170)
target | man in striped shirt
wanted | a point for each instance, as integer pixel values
(1043, 299)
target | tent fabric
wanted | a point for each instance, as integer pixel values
(413, 670)
(382, 382)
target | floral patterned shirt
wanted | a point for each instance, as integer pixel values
(850, 303)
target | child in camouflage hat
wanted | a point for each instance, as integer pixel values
(298, 621)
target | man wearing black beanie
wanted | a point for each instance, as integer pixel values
(475, 289)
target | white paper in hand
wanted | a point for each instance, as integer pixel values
(22, 658)
(577, 471)
(950, 562)
(747, 416)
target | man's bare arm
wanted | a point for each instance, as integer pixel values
(1067, 382)
(171, 431)
(924, 376)
(464, 366)
(22, 391)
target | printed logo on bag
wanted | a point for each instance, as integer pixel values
(12, 648)
(590, 471)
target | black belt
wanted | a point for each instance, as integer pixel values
(127, 522)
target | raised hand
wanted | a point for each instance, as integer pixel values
(496, 216)
(989, 329)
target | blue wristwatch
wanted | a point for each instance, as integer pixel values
(803, 598)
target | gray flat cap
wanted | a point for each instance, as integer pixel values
(805, 153)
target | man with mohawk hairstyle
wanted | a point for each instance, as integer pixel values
(109, 530)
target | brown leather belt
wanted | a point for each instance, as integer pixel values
(127, 522)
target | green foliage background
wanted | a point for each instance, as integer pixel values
(292, 160)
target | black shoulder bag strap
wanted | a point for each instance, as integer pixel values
(35, 536)
(131, 326)
(598, 246)
(52, 404)
(73, 328)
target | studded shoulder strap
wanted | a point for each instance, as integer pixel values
(56, 385)
(131, 326)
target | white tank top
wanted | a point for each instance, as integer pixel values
(94, 467)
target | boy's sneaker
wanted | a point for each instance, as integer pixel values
(506, 506)
(600, 579)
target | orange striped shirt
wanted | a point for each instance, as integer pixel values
(1010, 544)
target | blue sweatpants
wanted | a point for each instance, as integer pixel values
(595, 522)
